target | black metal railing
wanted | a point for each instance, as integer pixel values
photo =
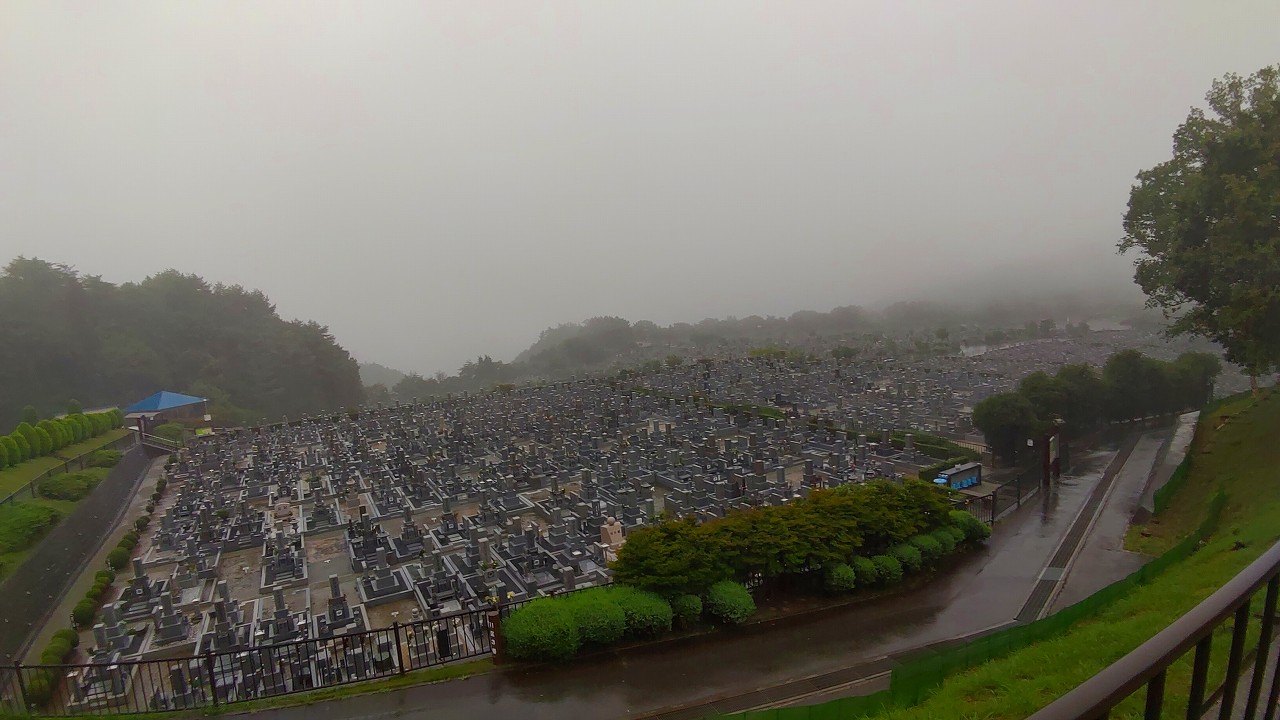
(160, 443)
(229, 677)
(1240, 694)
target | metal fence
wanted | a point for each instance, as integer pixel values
(235, 676)
(1005, 497)
(79, 462)
(1239, 694)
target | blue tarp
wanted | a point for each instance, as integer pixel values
(162, 400)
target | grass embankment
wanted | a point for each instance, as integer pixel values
(1235, 449)
(15, 477)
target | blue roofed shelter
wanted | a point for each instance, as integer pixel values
(164, 407)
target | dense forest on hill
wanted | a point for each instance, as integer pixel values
(68, 335)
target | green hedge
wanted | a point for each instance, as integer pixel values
(729, 602)
(866, 571)
(888, 569)
(946, 539)
(840, 578)
(686, 608)
(909, 556)
(929, 547)
(648, 615)
(973, 529)
(829, 527)
(69, 486)
(600, 620)
(105, 458)
(23, 524)
(543, 630)
(929, 472)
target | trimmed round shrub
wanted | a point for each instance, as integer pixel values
(543, 630)
(106, 577)
(909, 556)
(974, 529)
(97, 591)
(840, 579)
(956, 533)
(118, 558)
(68, 486)
(600, 620)
(161, 484)
(687, 609)
(70, 636)
(142, 522)
(889, 569)
(83, 612)
(865, 571)
(729, 602)
(648, 615)
(55, 652)
(105, 458)
(930, 548)
(151, 507)
(945, 539)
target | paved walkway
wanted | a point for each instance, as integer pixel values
(986, 589)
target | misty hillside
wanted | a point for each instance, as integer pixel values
(371, 373)
(915, 328)
(74, 336)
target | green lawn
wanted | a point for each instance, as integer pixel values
(1239, 456)
(15, 477)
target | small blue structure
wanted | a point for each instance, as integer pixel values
(965, 475)
(165, 407)
(161, 401)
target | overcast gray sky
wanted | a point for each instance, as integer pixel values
(434, 180)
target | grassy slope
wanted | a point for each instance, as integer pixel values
(15, 477)
(1239, 456)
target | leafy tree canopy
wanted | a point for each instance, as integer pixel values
(69, 335)
(1205, 222)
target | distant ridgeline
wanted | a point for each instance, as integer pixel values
(68, 336)
(908, 329)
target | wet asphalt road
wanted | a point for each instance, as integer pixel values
(985, 589)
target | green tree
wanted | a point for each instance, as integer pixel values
(1006, 420)
(42, 437)
(670, 559)
(23, 445)
(1085, 394)
(1049, 396)
(1196, 373)
(1136, 386)
(30, 415)
(55, 433)
(13, 455)
(74, 407)
(28, 433)
(376, 393)
(1204, 222)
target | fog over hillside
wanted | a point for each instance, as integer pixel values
(433, 181)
